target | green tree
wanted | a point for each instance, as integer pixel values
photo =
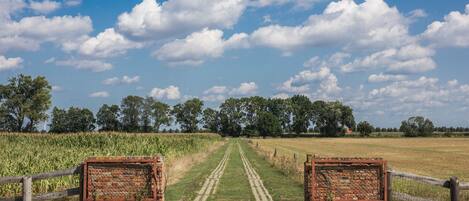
(161, 115)
(72, 121)
(211, 120)
(365, 128)
(188, 114)
(80, 120)
(268, 124)
(417, 126)
(332, 118)
(147, 114)
(252, 106)
(282, 110)
(231, 117)
(108, 118)
(24, 102)
(131, 110)
(59, 121)
(301, 111)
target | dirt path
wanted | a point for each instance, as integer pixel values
(257, 186)
(210, 185)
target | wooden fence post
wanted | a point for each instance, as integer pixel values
(275, 152)
(294, 157)
(454, 188)
(27, 188)
(389, 185)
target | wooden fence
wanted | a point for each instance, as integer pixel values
(27, 182)
(453, 184)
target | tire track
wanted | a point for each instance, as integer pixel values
(210, 185)
(257, 187)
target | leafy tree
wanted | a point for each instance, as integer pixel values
(365, 128)
(146, 115)
(161, 113)
(108, 118)
(282, 110)
(188, 114)
(131, 110)
(301, 111)
(252, 106)
(80, 120)
(71, 121)
(211, 120)
(59, 121)
(231, 117)
(268, 124)
(24, 102)
(333, 117)
(417, 126)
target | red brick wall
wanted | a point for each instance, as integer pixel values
(344, 179)
(124, 178)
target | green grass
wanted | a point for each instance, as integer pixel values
(24, 154)
(187, 187)
(277, 183)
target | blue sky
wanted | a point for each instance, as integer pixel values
(387, 59)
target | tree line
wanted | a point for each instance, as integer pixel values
(25, 101)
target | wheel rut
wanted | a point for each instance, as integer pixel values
(210, 185)
(257, 186)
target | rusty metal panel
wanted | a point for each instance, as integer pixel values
(345, 179)
(123, 178)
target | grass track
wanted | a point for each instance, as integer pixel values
(187, 187)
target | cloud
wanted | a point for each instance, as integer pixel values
(10, 63)
(45, 6)
(281, 96)
(371, 24)
(124, 80)
(72, 2)
(179, 17)
(374, 78)
(57, 88)
(8, 7)
(451, 32)
(245, 88)
(219, 93)
(216, 90)
(198, 46)
(297, 4)
(99, 94)
(417, 13)
(86, 64)
(302, 83)
(25, 34)
(107, 44)
(170, 93)
(411, 58)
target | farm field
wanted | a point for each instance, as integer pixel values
(435, 157)
(23, 154)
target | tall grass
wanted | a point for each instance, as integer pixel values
(24, 154)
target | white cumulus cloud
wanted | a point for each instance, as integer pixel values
(10, 63)
(86, 64)
(45, 6)
(99, 94)
(124, 80)
(170, 93)
(198, 46)
(452, 31)
(106, 44)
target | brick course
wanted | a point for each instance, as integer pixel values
(345, 179)
(123, 178)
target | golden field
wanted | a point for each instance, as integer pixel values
(435, 157)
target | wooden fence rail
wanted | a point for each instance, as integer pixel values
(452, 183)
(27, 182)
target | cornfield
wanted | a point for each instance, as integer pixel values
(24, 154)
